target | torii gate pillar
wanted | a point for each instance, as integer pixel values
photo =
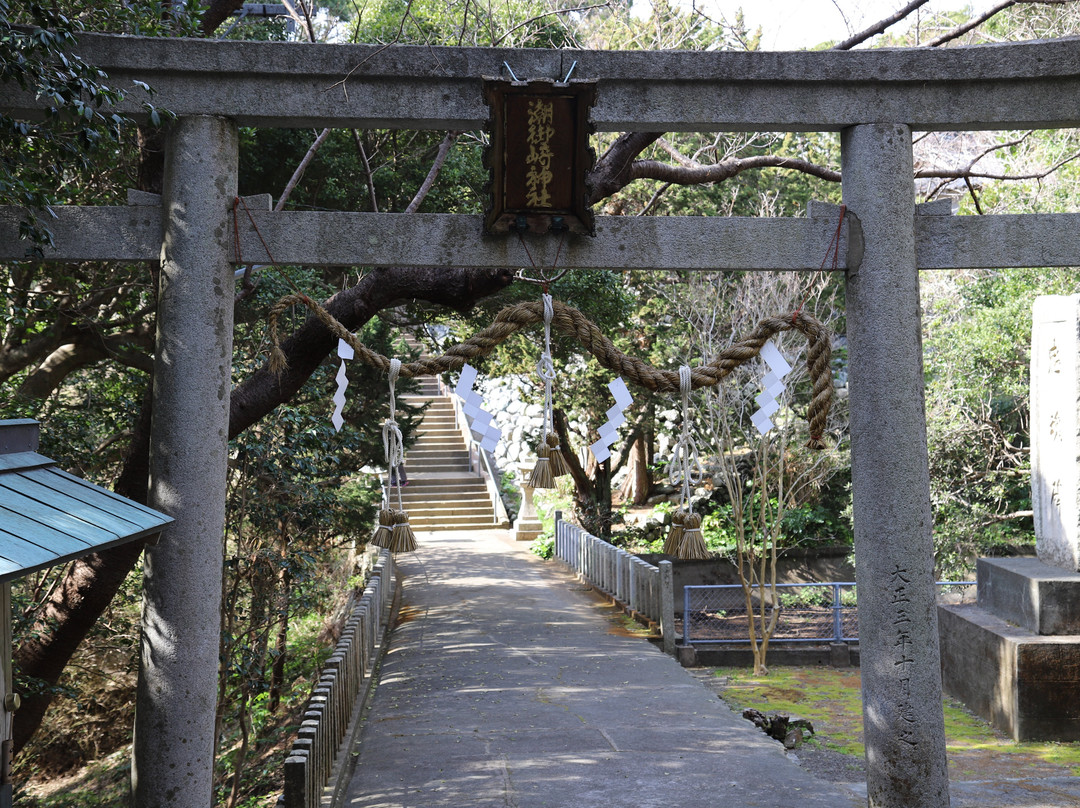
(894, 552)
(173, 756)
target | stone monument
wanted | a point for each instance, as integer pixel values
(527, 526)
(1055, 431)
(1014, 657)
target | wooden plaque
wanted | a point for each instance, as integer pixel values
(539, 156)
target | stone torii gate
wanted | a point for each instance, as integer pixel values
(875, 99)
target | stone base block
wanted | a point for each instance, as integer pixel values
(1031, 594)
(526, 530)
(1025, 684)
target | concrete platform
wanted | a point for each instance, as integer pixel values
(1025, 684)
(1031, 594)
(1014, 657)
(506, 685)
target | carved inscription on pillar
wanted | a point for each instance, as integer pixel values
(903, 656)
(539, 156)
(1055, 429)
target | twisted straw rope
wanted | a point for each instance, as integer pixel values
(573, 323)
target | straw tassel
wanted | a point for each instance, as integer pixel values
(674, 537)
(556, 461)
(541, 476)
(545, 471)
(381, 536)
(693, 542)
(402, 538)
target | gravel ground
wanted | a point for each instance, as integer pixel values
(833, 767)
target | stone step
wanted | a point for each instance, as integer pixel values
(433, 511)
(419, 499)
(438, 468)
(439, 433)
(435, 403)
(451, 523)
(436, 451)
(434, 507)
(427, 447)
(434, 499)
(436, 446)
(421, 456)
(445, 430)
(440, 528)
(449, 438)
(424, 479)
(422, 466)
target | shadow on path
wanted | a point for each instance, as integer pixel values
(506, 685)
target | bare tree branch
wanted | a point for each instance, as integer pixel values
(974, 22)
(974, 196)
(878, 27)
(967, 173)
(433, 172)
(654, 199)
(401, 29)
(539, 17)
(367, 170)
(307, 18)
(726, 169)
(1005, 517)
(299, 172)
(676, 155)
(216, 13)
(88, 349)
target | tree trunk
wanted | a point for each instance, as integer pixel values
(277, 670)
(638, 483)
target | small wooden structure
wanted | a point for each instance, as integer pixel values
(47, 517)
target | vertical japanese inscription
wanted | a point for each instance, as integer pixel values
(899, 581)
(1055, 429)
(540, 132)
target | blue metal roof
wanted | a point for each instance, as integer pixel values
(48, 516)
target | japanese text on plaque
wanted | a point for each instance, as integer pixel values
(538, 177)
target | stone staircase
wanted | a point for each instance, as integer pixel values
(442, 494)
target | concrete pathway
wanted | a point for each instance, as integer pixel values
(507, 685)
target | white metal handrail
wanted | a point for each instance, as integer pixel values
(480, 460)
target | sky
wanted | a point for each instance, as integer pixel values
(795, 24)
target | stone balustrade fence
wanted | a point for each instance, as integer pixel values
(338, 696)
(644, 590)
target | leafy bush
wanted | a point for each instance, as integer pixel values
(357, 503)
(811, 525)
(543, 547)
